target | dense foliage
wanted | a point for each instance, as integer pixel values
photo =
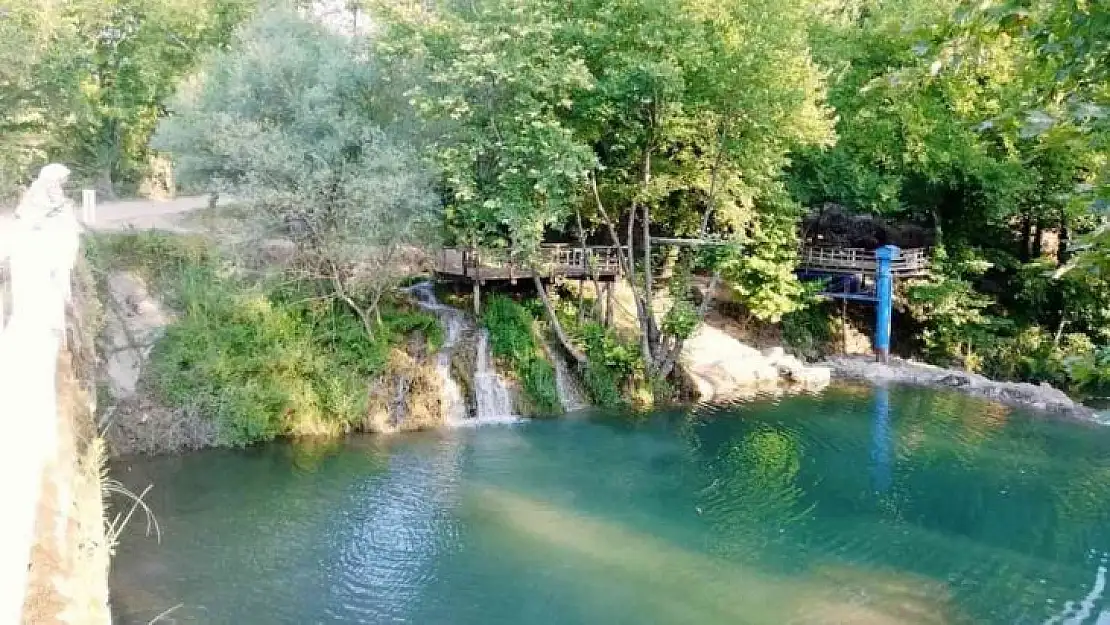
(514, 341)
(669, 116)
(86, 81)
(984, 122)
(290, 120)
(692, 133)
(260, 359)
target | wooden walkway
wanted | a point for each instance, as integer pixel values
(603, 262)
(913, 262)
(568, 261)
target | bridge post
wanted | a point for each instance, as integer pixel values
(884, 299)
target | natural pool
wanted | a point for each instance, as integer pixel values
(858, 505)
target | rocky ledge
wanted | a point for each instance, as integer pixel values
(719, 367)
(1036, 396)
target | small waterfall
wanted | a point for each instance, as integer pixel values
(492, 396)
(494, 403)
(454, 405)
(571, 395)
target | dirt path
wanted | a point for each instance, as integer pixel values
(147, 214)
(127, 214)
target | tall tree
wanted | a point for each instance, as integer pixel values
(287, 120)
(92, 76)
(653, 117)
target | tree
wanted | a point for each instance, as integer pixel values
(657, 117)
(287, 121)
(499, 73)
(85, 81)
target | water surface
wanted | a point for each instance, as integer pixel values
(854, 506)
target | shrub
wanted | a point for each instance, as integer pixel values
(513, 340)
(260, 360)
(808, 330)
(611, 367)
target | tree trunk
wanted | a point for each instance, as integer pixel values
(363, 315)
(554, 320)
(585, 267)
(104, 183)
(626, 262)
(641, 309)
(596, 310)
(1026, 238)
(1062, 255)
(675, 351)
(649, 287)
(1038, 240)
(609, 301)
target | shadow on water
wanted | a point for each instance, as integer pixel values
(857, 505)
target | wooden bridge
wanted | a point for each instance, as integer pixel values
(553, 261)
(850, 270)
(911, 263)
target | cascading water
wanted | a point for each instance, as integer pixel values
(492, 398)
(454, 405)
(571, 395)
(494, 403)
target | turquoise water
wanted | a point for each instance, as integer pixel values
(854, 506)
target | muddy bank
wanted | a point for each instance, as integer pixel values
(1020, 394)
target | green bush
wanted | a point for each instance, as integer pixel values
(261, 360)
(513, 340)
(612, 364)
(1071, 362)
(808, 330)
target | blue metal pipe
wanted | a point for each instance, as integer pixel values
(884, 295)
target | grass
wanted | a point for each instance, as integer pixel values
(513, 341)
(260, 357)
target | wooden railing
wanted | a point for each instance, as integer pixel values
(552, 260)
(911, 262)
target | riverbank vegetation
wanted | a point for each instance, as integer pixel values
(513, 339)
(260, 356)
(702, 138)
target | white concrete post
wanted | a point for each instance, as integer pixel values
(88, 206)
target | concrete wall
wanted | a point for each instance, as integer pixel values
(39, 256)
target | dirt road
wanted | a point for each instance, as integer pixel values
(147, 214)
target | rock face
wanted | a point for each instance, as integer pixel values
(793, 370)
(134, 422)
(719, 367)
(407, 397)
(1035, 396)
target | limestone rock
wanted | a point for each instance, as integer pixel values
(774, 354)
(1038, 397)
(719, 367)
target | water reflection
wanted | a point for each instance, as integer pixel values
(1080, 613)
(882, 442)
